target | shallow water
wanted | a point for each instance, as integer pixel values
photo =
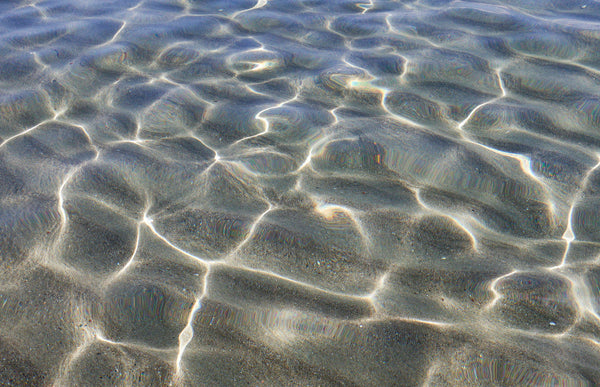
(300, 193)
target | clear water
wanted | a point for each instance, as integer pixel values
(315, 193)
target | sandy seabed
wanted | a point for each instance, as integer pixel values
(311, 193)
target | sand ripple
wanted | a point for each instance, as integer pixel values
(301, 192)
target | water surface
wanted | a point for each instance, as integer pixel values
(315, 193)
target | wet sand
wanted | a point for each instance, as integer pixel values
(313, 193)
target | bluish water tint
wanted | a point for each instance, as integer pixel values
(299, 192)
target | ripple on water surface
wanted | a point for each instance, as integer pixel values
(306, 192)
